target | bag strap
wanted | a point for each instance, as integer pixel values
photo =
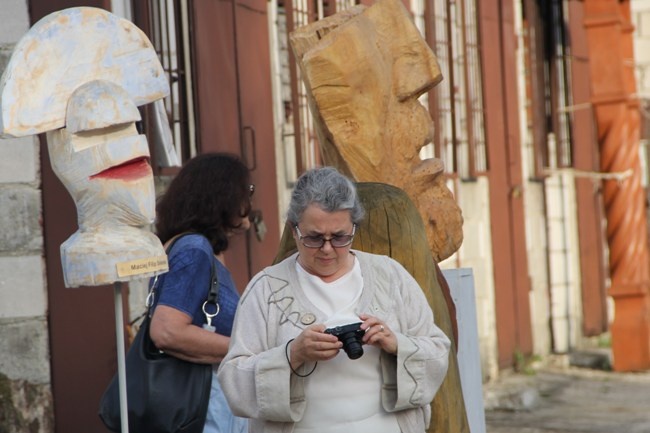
(213, 297)
(213, 294)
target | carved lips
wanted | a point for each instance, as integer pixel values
(131, 170)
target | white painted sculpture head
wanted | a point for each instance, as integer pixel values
(79, 74)
(104, 162)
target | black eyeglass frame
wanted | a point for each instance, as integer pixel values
(323, 239)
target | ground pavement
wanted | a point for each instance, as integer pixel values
(568, 399)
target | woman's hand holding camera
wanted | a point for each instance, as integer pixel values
(314, 345)
(378, 334)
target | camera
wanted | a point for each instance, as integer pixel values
(350, 335)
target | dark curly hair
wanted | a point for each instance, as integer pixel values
(209, 196)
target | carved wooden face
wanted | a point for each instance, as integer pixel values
(365, 70)
(107, 173)
(102, 160)
(365, 77)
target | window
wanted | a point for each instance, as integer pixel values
(456, 104)
(167, 23)
(548, 96)
(299, 136)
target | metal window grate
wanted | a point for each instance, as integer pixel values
(307, 153)
(456, 104)
(167, 23)
(547, 84)
(562, 94)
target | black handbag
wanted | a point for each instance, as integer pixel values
(164, 394)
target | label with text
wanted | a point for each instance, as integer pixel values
(142, 266)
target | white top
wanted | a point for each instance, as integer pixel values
(343, 395)
(337, 299)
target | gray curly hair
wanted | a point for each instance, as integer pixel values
(329, 190)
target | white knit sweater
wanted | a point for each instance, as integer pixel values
(255, 375)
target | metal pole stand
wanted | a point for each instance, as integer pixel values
(121, 363)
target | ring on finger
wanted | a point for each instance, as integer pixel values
(381, 328)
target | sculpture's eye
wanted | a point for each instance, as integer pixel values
(87, 139)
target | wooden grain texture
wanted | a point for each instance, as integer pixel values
(393, 227)
(364, 71)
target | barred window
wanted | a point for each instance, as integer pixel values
(299, 134)
(456, 104)
(167, 23)
(548, 97)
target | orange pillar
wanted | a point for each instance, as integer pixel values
(609, 34)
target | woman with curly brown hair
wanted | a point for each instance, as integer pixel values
(206, 203)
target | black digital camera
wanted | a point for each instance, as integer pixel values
(350, 335)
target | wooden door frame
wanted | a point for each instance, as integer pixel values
(511, 280)
(235, 112)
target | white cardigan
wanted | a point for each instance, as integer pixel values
(255, 374)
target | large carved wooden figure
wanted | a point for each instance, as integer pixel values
(364, 69)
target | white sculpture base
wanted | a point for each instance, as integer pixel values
(95, 258)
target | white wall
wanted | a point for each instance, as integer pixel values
(538, 271)
(566, 301)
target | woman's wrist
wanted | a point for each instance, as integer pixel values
(294, 355)
(291, 359)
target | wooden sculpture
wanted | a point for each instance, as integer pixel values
(393, 227)
(364, 69)
(79, 75)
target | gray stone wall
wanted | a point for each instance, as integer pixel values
(25, 391)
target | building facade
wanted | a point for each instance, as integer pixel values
(523, 126)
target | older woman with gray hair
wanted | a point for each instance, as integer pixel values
(333, 340)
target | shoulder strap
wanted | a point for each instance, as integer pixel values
(213, 294)
(212, 301)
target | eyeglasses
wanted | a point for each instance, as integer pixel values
(336, 241)
(251, 189)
